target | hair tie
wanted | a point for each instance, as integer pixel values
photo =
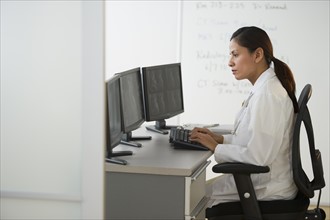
(270, 59)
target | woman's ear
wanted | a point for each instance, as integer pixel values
(259, 54)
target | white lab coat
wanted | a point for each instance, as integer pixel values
(262, 135)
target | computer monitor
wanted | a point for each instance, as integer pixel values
(163, 96)
(132, 108)
(114, 130)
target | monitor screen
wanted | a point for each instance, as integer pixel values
(132, 99)
(162, 91)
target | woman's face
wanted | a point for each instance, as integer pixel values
(242, 62)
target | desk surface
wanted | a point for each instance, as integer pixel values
(157, 156)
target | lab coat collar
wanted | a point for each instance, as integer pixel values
(264, 77)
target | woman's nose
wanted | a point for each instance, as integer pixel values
(230, 63)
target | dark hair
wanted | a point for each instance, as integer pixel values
(253, 38)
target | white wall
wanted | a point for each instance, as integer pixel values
(153, 32)
(141, 33)
(52, 109)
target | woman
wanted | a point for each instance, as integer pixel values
(263, 128)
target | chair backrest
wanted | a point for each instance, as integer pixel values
(304, 184)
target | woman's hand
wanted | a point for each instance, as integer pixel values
(217, 138)
(206, 137)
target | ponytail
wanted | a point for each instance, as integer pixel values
(286, 78)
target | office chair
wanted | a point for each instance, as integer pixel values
(249, 207)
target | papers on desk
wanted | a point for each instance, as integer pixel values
(216, 128)
(223, 129)
(190, 126)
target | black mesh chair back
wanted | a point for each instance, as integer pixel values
(305, 185)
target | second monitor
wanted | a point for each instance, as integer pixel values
(163, 96)
(132, 109)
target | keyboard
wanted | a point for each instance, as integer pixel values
(179, 138)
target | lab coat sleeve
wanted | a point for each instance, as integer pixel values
(261, 132)
(227, 138)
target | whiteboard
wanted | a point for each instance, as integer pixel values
(299, 31)
(210, 89)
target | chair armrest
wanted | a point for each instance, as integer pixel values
(239, 168)
(242, 176)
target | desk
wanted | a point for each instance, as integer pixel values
(159, 182)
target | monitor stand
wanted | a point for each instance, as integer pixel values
(159, 126)
(110, 158)
(128, 139)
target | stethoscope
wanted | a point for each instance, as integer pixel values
(241, 115)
